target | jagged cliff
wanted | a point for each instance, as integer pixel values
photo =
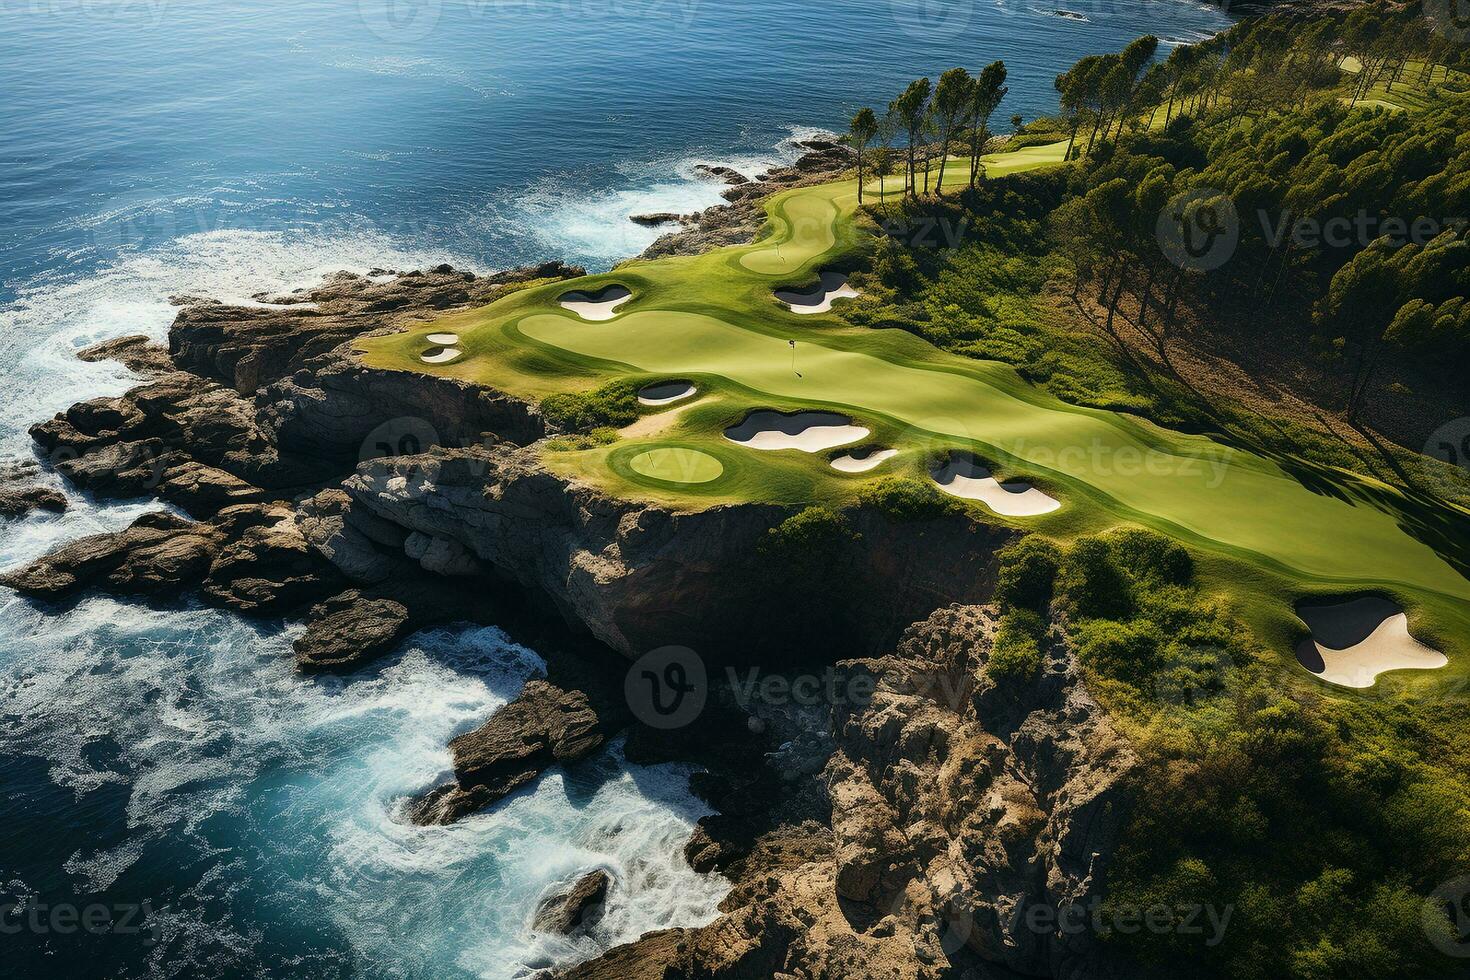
(905, 833)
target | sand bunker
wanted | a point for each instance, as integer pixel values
(440, 355)
(1353, 642)
(964, 476)
(600, 304)
(664, 392)
(834, 286)
(443, 339)
(811, 432)
(674, 465)
(862, 460)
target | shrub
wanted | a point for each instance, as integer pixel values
(1150, 557)
(807, 542)
(904, 499)
(1129, 652)
(1092, 583)
(1028, 571)
(1016, 651)
(613, 405)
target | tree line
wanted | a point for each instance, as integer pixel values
(931, 119)
(1263, 127)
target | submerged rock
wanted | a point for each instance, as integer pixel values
(19, 501)
(578, 908)
(544, 726)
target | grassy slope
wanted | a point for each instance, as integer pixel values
(1265, 536)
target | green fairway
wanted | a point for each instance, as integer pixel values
(1277, 529)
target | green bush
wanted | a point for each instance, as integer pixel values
(1016, 651)
(1028, 571)
(1129, 652)
(904, 499)
(807, 542)
(1150, 557)
(1091, 582)
(614, 405)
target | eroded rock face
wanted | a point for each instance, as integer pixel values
(958, 802)
(639, 576)
(544, 726)
(1019, 785)
(249, 347)
(250, 558)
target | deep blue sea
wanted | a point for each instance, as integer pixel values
(227, 816)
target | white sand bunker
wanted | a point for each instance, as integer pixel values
(600, 304)
(862, 460)
(964, 476)
(811, 432)
(664, 392)
(443, 339)
(834, 286)
(440, 355)
(1353, 642)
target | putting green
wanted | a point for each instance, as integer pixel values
(677, 465)
(1278, 528)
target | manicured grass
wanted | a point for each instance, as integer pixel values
(1273, 530)
(671, 464)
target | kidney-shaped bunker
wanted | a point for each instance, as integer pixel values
(811, 432)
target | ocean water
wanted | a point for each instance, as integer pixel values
(167, 766)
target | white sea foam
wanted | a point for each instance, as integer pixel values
(42, 331)
(227, 752)
(595, 227)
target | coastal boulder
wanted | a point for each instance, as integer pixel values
(350, 628)
(544, 726)
(19, 501)
(578, 908)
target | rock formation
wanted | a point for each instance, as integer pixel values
(578, 908)
(962, 807)
(544, 726)
(738, 222)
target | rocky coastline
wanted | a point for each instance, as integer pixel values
(905, 832)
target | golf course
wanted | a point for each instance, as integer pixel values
(1266, 533)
